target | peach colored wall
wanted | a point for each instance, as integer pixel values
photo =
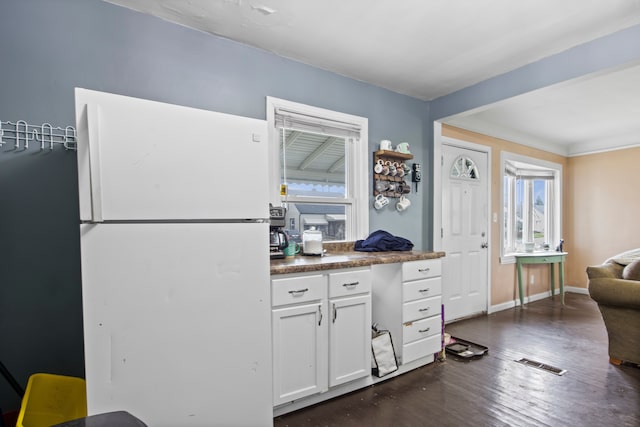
(604, 209)
(503, 276)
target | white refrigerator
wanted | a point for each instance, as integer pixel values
(175, 265)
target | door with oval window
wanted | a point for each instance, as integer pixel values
(465, 234)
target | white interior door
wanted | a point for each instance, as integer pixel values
(465, 234)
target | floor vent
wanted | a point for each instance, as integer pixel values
(542, 366)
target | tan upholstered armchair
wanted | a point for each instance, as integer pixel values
(613, 287)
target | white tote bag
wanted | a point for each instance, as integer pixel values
(384, 356)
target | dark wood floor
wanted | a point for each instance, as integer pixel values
(497, 391)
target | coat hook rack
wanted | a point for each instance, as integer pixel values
(20, 133)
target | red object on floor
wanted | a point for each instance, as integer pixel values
(10, 418)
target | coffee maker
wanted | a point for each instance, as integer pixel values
(278, 238)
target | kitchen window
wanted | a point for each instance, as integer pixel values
(531, 204)
(318, 170)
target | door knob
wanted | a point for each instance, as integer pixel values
(484, 245)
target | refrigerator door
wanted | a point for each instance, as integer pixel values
(177, 322)
(146, 160)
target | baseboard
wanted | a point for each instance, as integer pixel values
(538, 297)
(504, 306)
(514, 303)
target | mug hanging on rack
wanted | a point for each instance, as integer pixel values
(377, 168)
(380, 201)
(403, 203)
(382, 186)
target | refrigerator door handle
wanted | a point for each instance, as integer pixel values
(93, 125)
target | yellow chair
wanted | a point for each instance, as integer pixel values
(52, 399)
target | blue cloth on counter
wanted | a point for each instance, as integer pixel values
(382, 241)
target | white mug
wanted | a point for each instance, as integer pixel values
(385, 144)
(403, 203)
(380, 202)
(377, 168)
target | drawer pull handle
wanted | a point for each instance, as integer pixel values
(424, 270)
(424, 330)
(348, 285)
(299, 291)
(424, 309)
(424, 290)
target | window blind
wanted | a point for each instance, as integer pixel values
(521, 173)
(308, 123)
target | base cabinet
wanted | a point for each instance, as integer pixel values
(321, 332)
(299, 349)
(407, 302)
(349, 339)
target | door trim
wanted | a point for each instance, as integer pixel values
(438, 141)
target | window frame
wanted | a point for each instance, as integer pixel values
(553, 221)
(356, 153)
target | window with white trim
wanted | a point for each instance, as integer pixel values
(318, 170)
(464, 168)
(531, 204)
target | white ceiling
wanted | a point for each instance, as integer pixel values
(591, 114)
(427, 49)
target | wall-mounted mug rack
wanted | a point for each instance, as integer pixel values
(386, 183)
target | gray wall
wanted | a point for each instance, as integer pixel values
(49, 47)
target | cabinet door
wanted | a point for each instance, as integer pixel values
(300, 351)
(350, 339)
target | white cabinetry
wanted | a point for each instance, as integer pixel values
(350, 327)
(407, 302)
(321, 331)
(299, 337)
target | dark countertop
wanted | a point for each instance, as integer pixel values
(343, 256)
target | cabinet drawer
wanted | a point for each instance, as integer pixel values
(421, 348)
(420, 309)
(421, 289)
(419, 329)
(295, 290)
(349, 283)
(421, 269)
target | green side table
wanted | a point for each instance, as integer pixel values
(550, 258)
